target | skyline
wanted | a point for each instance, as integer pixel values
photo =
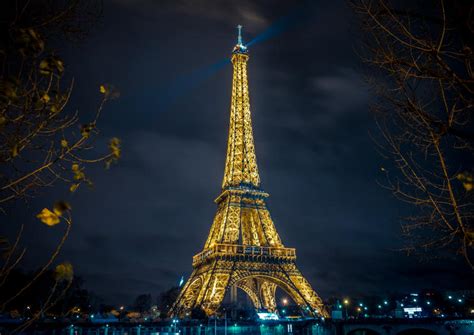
(315, 154)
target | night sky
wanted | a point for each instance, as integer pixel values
(137, 230)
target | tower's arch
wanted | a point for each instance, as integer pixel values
(263, 288)
(190, 293)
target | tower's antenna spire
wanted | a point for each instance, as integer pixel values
(239, 38)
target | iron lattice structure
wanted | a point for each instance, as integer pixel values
(243, 249)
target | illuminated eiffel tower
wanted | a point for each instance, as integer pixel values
(243, 249)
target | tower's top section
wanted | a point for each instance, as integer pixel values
(239, 38)
(241, 163)
(240, 47)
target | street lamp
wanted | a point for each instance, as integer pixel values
(346, 303)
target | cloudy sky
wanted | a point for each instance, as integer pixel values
(137, 231)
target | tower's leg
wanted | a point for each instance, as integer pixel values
(267, 292)
(213, 292)
(188, 295)
(205, 288)
(249, 286)
(233, 294)
(304, 290)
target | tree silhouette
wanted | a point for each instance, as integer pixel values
(44, 143)
(420, 55)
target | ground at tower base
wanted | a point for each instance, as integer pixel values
(282, 327)
(421, 313)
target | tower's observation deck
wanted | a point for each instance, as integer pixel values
(243, 248)
(236, 252)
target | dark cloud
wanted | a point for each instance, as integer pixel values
(137, 230)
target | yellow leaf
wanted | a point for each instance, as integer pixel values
(73, 187)
(86, 130)
(102, 89)
(467, 179)
(79, 175)
(64, 271)
(64, 143)
(15, 150)
(114, 146)
(468, 186)
(75, 167)
(45, 67)
(60, 207)
(45, 98)
(48, 218)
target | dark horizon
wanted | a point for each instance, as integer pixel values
(137, 230)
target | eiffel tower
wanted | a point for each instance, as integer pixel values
(243, 249)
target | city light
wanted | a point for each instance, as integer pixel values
(284, 301)
(385, 302)
(412, 310)
(267, 316)
(346, 302)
